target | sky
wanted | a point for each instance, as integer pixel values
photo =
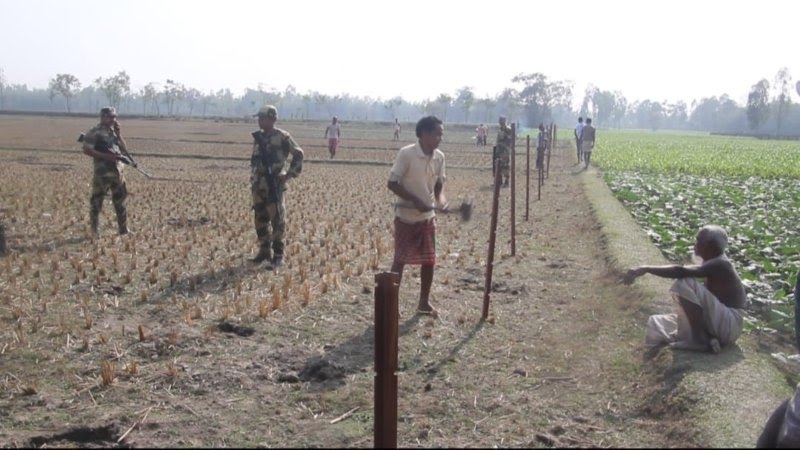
(658, 50)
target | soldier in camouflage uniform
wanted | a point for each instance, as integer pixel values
(504, 142)
(105, 144)
(271, 148)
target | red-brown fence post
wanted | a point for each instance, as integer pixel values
(386, 320)
(513, 190)
(492, 238)
(527, 176)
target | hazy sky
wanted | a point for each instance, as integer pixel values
(661, 50)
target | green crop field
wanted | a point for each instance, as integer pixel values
(674, 183)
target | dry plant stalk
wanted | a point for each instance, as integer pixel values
(132, 368)
(106, 372)
(141, 334)
(172, 369)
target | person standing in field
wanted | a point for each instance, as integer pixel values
(541, 146)
(417, 177)
(503, 149)
(332, 134)
(587, 141)
(481, 131)
(104, 143)
(397, 129)
(272, 147)
(709, 315)
(578, 130)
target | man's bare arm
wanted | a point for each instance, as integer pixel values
(670, 271)
(403, 193)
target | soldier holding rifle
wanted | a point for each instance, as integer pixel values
(271, 148)
(503, 149)
(104, 143)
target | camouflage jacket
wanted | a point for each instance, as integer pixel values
(103, 135)
(270, 152)
(505, 137)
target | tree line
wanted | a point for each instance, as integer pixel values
(532, 98)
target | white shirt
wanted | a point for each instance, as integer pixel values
(578, 130)
(418, 173)
(332, 131)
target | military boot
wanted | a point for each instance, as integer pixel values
(277, 261)
(264, 254)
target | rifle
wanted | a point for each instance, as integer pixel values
(126, 158)
(267, 159)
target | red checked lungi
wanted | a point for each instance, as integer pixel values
(415, 243)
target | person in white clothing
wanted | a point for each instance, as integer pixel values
(417, 177)
(578, 131)
(332, 134)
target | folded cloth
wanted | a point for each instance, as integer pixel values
(721, 322)
(415, 243)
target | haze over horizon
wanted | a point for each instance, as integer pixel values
(673, 51)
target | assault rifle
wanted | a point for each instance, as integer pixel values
(126, 158)
(267, 159)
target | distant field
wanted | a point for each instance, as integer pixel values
(675, 183)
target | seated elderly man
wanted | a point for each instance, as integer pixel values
(709, 315)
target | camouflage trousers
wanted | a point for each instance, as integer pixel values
(270, 215)
(101, 184)
(504, 155)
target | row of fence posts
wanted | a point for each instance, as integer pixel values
(388, 285)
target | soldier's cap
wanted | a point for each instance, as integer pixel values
(267, 110)
(108, 111)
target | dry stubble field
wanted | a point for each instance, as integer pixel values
(170, 335)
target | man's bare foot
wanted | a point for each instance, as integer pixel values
(714, 344)
(427, 310)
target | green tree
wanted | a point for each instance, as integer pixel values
(3, 88)
(539, 96)
(758, 104)
(783, 99)
(488, 105)
(392, 105)
(149, 95)
(115, 87)
(466, 98)
(65, 85)
(620, 108)
(444, 101)
(174, 93)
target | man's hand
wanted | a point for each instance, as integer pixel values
(422, 206)
(283, 178)
(632, 275)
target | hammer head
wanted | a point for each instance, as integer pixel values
(465, 210)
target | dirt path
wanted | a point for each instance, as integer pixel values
(559, 363)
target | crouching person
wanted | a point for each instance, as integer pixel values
(708, 316)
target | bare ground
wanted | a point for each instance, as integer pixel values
(559, 362)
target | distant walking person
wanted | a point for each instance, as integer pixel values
(417, 177)
(104, 143)
(503, 149)
(481, 136)
(397, 130)
(333, 133)
(578, 131)
(587, 141)
(541, 146)
(269, 175)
